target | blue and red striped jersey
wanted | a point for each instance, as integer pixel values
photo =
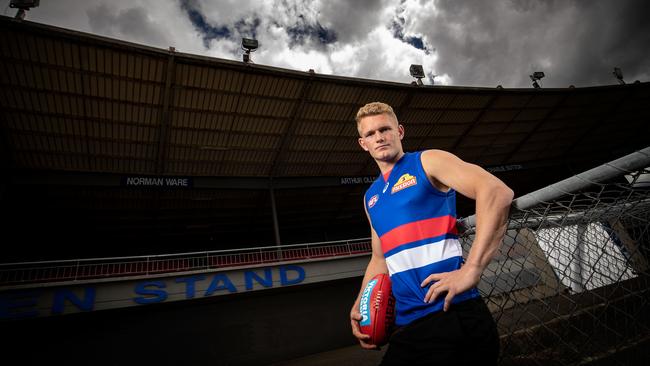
(416, 224)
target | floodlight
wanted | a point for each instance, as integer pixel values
(536, 76)
(619, 75)
(249, 44)
(417, 72)
(23, 5)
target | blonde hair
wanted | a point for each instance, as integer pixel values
(373, 109)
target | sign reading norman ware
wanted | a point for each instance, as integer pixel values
(161, 182)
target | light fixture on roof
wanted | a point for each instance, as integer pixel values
(23, 5)
(248, 45)
(417, 72)
(619, 75)
(535, 77)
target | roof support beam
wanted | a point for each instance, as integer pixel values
(274, 211)
(282, 151)
(7, 156)
(291, 126)
(83, 108)
(165, 115)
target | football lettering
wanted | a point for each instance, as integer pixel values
(377, 308)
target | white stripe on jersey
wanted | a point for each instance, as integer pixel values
(423, 255)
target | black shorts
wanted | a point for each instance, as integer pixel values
(464, 335)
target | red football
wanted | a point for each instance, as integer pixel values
(377, 308)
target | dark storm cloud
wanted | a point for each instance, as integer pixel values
(352, 20)
(300, 22)
(574, 42)
(106, 20)
(462, 42)
(303, 29)
(303, 32)
(617, 35)
(207, 30)
(248, 27)
(397, 28)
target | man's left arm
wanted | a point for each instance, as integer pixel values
(493, 199)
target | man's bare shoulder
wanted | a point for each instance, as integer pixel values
(435, 157)
(434, 162)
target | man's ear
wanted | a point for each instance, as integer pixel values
(400, 130)
(362, 142)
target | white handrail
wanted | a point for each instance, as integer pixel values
(185, 254)
(78, 269)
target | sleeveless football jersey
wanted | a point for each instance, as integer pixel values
(416, 224)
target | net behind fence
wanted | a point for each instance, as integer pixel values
(570, 284)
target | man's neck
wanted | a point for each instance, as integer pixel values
(386, 166)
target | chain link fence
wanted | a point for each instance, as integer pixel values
(570, 284)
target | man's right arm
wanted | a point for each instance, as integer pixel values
(376, 266)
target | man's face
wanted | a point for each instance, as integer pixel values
(381, 136)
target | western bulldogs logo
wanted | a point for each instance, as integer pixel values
(403, 182)
(373, 200)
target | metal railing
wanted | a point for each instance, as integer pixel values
(97, 268)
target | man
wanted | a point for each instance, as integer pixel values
(411, 208)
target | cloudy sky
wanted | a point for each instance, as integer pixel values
(458, 42)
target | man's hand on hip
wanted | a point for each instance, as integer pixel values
(453, 283)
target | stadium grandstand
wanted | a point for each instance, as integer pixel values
(127, 166)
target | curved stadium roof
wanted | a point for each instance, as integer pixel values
(82, 113)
